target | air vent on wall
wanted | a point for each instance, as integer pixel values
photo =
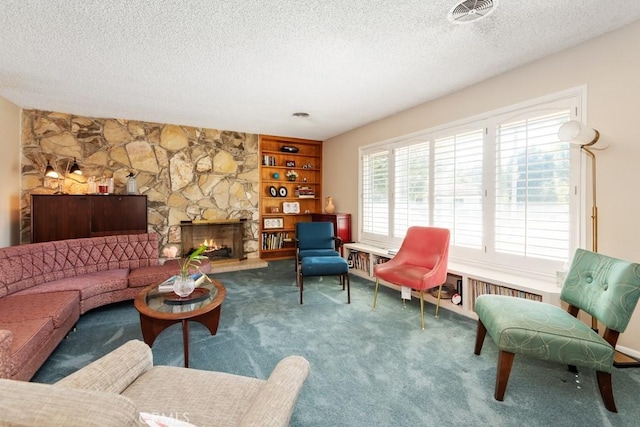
(471, 10)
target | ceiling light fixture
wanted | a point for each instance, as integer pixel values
(471, 11)
(301, 115)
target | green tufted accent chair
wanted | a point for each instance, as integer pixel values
(604, 287)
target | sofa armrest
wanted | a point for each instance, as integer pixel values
(6, 337)
(275, 402)
(113, 372)
(31, 404)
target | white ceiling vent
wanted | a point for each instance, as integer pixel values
(471, 10)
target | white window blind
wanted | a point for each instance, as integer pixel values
(503, 184)
(532, 179)
(411, 187)
(458, 187)
(375, 194)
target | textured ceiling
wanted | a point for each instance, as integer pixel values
(247, 65)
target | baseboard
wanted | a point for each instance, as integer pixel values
(621, 360)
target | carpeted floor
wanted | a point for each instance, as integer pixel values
(367, 367)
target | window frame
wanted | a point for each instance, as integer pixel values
(575, 101)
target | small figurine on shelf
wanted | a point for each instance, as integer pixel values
(292, 175)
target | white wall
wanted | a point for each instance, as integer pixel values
(608, 65)
(9, 173)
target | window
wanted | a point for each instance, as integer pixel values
(532, 181)
(411, 187)
(458, 187)
(504, 185)
(375, 195)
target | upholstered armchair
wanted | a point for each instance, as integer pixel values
(604, 287)
(316, 239)
(123, 386)
(421, 263)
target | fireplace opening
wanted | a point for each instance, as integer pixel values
(223, 239)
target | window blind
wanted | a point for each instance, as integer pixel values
(532, 207)
(458, 187)
(375, 193)
(411, 187)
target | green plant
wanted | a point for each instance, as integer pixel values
(195, 257)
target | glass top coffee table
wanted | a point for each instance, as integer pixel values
(159, 310)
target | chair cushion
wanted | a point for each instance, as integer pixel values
(312, 235)
(59, 306)
(545, 331)
(324, 266)
(305, 253)
(28, 338)
(403, 275)
(88, 285)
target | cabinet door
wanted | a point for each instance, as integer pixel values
(343, 227)
(59, 217)
(341, 224)
(118, 215)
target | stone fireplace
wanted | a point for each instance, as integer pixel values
(223, 238)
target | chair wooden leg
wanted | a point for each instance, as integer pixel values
(606, 390)
(375, 293)
(348, 289)
(422, 309)
(480, 334)
(342, 281)
(505, 361)
(300, 284)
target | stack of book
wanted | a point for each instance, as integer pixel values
(305, 192)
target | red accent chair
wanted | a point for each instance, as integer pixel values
(421, 263)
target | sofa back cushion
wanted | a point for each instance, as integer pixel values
(29, 265)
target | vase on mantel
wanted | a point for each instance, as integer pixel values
(328, 205)
(184, 284)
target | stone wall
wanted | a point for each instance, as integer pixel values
(187, 173)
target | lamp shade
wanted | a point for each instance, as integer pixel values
(75, 168)
(49, 171)
(574, 131)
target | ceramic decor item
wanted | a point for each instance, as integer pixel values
(328, 205)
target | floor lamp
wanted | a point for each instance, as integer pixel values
(574, 132)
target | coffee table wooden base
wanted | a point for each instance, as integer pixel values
(156, 314)
(151, 328)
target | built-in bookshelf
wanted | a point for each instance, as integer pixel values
(467, 281)
(478, 287)
(290, 191)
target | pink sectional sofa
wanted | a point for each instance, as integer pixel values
(45, 287)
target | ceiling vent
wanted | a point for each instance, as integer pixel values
(471, 10)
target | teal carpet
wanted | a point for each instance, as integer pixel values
(367, 367)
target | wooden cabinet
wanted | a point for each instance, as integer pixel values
(283, 203)
(341, 224)
(59, 217)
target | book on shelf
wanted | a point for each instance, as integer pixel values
(167, 285)
(305, 192)
(274, 240)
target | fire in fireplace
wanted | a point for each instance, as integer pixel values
(223, 239)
